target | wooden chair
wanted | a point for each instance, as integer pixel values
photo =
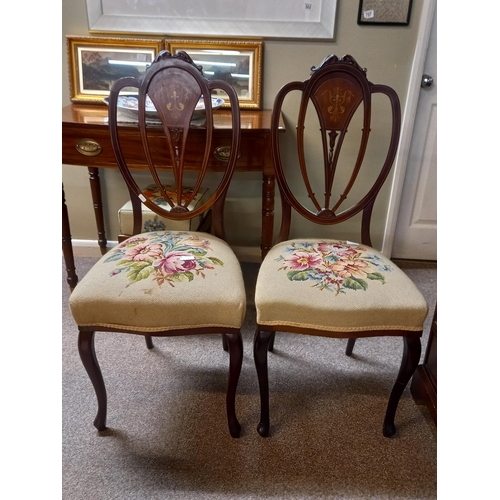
(167, 283)
(333, 287)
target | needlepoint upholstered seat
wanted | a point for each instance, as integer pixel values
(330, 286)
(303, 280)
(170, 282)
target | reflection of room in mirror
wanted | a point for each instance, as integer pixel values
(231, 66)
(236, 62)
(100, 67)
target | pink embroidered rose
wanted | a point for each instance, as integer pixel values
(140, 253)
(176, 262)
(303, 260)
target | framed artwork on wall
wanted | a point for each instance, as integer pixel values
(215, 18)
(384, 12)
(96, 63)
(238, 62)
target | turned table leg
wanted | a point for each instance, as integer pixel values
(95, 187)
(67, 247)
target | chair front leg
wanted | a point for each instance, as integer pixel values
(409, 363)
(89, 360)
(234, 343)
(260, 349)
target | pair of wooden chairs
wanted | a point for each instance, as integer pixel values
(165, 283)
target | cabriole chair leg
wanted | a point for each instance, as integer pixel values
(261, 346)
(89, 360)
(235, 347)
(409, 363)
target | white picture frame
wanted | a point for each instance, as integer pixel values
(307, 19)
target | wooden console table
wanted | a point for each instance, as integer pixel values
(86, 142)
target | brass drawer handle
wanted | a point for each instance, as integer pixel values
(222, 153)
(88, 147)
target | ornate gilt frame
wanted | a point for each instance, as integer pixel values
(90, 81)
(211, 54)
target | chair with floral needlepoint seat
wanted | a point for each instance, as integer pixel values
(334, 287)
(171, 282)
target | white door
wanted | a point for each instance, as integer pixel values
(416, 229)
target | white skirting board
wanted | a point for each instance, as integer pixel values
(90, 248)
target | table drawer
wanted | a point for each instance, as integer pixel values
(79, 147)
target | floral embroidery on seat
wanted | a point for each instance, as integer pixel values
(332, 265)
(167, 256)
(155, 224)
(153, 193)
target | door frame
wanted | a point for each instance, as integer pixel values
(410, 112)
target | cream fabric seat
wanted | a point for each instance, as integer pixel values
(335, 286)
(163, 281)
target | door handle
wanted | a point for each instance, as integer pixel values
(427, 81)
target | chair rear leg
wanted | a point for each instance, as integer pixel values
(350, 346)
(260, 350)
(149, 341)
(89, 360)
(225, 345)
(270, 346)
(409, 363)
(235, 346)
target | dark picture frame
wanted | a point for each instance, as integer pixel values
(384, 12)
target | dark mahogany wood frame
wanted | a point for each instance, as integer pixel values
(174, 84)
(333, 77)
